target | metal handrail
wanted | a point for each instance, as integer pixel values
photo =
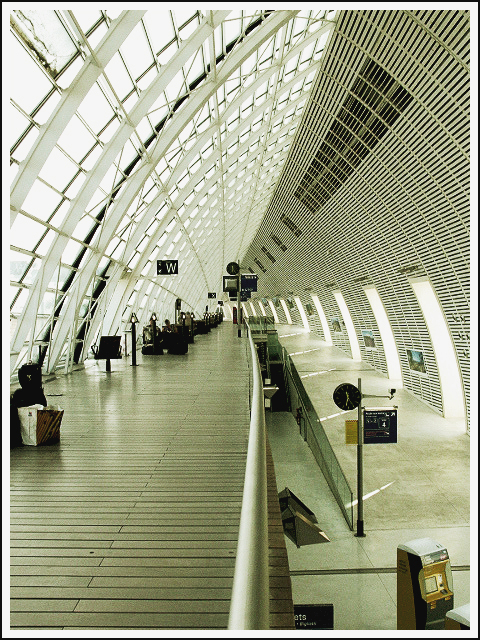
(329, 476)
(249, 606)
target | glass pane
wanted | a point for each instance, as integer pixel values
(45, 112)
(26, 233)
(45, 244)
(118, 76)
(41, 200)
(71, 252)
(47, 36)
(31, 274)
(24, 147)
(136, 51)
(59, 278)
(18, 263)
(17, 123)
(20, 301)
(76, 140)
(26, 94)
(46, 304)
(95, 109)
(86, 18)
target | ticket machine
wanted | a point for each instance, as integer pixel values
(424, 585)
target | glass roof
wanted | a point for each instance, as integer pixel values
(137, 136)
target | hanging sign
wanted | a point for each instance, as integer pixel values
(248, 282)
(379, 425)
(167, 267)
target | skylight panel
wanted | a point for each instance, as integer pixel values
(232, 27)
(41, 200)
(147, 78)
(176, 87)
(71, 252)
(76, 139)
(26, 233)
(249, 65)
(194, 67)
(26, 94)
(185, 21)
(136, 52)
(107, 132)
(83, 227)
(160, 28)
(46, 36)
(58, 170)
(95, 109)
(17, 123)
(110, 178)
(46, 242)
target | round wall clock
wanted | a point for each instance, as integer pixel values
(233, 268)
(347, 396)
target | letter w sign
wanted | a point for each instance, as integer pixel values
(167, 267)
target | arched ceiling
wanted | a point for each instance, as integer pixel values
(325, 151)
(142, 136)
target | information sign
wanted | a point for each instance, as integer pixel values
(212, 295)
(167, 267)
(313, 616)
(379, 425)
(248, 282)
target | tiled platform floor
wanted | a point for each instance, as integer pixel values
(426, 492)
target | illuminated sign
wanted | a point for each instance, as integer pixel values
(379, 425)
(167, 267)
(248, 282)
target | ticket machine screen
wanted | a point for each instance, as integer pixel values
(431, 584)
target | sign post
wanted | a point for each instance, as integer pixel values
(239, 314)
(360, 533)
(382, 427)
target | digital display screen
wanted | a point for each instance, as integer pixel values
(431, 584)
(230, 285)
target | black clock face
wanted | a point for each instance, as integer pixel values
(233, 268)
(347, 396)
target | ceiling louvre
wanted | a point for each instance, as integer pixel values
(374, 103)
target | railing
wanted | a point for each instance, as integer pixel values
(249, 606)
(261, 324)
(316, 438)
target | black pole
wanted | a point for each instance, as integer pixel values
(134, 346)
(360, 533)
(154, 335)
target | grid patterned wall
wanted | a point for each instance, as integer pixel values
(402, 207)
